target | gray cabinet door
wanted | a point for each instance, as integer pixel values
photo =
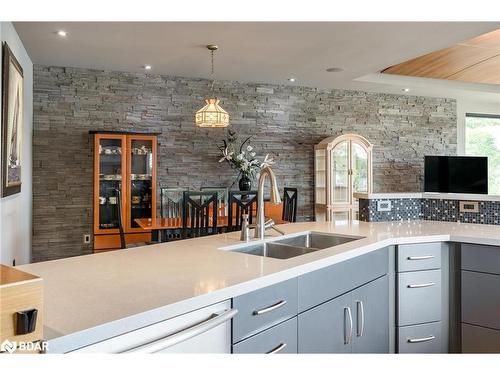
(481, 299)
(327, 328)
(370, 305)
(329, 282)
(477, 339)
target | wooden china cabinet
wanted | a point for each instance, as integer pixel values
(124, 162)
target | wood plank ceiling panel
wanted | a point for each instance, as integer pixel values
(475, 60)
(487, 71)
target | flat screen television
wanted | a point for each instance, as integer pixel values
(456, 174)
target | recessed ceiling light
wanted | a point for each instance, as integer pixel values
(291, 79)
(406, 89)
(148, 67)
(334, 70)
(62, 33)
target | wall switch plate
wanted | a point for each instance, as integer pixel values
(86, 238)
(466, 206)
(384, 206)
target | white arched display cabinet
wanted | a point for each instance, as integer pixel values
(342, 167)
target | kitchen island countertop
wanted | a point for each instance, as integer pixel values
(93, 297)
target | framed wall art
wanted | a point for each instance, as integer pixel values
(12, 122)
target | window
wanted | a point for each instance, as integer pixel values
(482, 138)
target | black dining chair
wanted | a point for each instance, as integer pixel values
(199, 216)
(290, 198)
(123, 242)
(240, 202)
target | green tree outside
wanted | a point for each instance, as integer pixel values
(482, 138)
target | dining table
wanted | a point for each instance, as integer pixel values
(159, 225)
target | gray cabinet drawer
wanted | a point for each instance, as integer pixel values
(421, 338)
(480, 340)
(279, 339)
(481, 258)
(419, 297)
(481, 299)
(327, 283)
(264, 308)
(422, 256)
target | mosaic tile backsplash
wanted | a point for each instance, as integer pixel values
(429, 209)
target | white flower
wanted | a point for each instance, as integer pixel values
(249, 148)
(226, 155)
(253, 154)
(267, 162)
(240, 156)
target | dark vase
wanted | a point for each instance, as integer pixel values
(245, 183)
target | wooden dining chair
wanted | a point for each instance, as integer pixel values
(199, 216)
(171, 206)
(290, 198)
(239, 203)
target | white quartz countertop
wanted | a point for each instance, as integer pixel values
(448, 196)
(93, 297)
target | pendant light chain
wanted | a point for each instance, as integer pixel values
(213, 79)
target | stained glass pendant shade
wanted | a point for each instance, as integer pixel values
(212, 115)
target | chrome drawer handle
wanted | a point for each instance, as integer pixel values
(423, 257)
(361, 318)
(270, 308)
(347, 333)
(423, 339)
(278, 349)
(421, 285)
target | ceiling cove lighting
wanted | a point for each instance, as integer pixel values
(62, 33)
(212, 115)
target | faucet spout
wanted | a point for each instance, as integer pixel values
(260, 227)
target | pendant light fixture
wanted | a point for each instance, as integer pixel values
(212, 115)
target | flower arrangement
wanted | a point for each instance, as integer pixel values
(244, 159)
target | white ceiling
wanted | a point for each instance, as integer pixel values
(261, 52)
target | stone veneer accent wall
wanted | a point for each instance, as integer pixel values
(286, 121)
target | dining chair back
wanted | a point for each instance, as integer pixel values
(222, 196)
(119, 213)
(239, 203)
(199, 213)
(171, 201)
(118, 194)
(290, 198)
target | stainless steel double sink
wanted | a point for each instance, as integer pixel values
(292, 246)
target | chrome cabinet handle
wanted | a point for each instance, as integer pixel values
(213, 321)
(347, 333)
(360, 318)
(278, 349)
(420, 285)
(422, 257)
(423, 339)
(270, 308)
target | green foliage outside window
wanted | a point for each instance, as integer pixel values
(482, 138)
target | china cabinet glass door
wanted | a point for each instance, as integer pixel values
(110, 166)
(141, 199)
(340, 174)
